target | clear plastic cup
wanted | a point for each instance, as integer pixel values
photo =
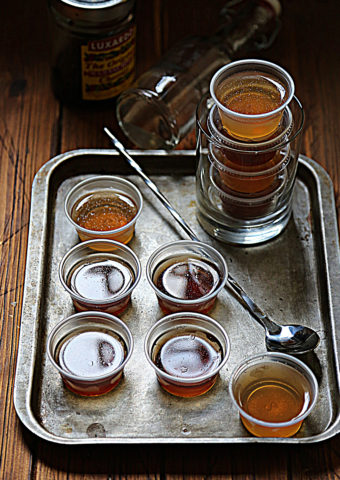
(241, 155)
(100, 275)
(90, 351)
(248, 206)
(251, 96)
(186, 276)
(250, 179)
(187, 350)
(273, 393)
(104, 207)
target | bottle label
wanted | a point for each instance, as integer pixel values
(108, 65)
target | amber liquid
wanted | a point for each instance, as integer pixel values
(88, 355)
(187, 356)
(103, 211)
(277, 398)
(101, 277)
(252, 93)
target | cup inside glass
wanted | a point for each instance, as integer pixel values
(273, 393)
(104, 207)
(251, 96)
(251, 179)
(186, 276)
(90, 351)
(187, 350)
(241, 155)
(248, 206)
(100, 275)
(210, 212)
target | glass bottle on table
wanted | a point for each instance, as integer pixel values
(159, 110)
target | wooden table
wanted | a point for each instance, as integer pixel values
(36, 127)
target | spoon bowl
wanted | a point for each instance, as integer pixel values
(292, 339)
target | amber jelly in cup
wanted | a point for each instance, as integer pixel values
(186, 276)
(251, 96)
(187, 350)
(90, 351)
(250, 179)
(273, 393)
(248, 206)
(100, 275)
(104, 207)
(240, 155)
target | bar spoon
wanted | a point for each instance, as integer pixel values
(292, 339)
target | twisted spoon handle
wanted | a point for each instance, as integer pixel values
(117, 144)
(238, 291)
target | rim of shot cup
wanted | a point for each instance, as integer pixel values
(284, 357)
(259, 63)
(138, 200)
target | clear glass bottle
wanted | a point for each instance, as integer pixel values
(160, 108)
(94, 49)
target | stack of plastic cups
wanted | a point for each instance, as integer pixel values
(247, 161)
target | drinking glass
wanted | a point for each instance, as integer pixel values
(186, 276)
(243, 172)
(100, 275)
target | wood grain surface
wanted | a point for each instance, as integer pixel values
(34, 127)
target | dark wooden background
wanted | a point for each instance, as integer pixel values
(34, 127)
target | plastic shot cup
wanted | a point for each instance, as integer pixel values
(186, 276)
(90, 351)
(273, 393)
(187, 350)
(100, 275)
(248, 207)
(104, 207)
(251, 96)
(250, 179)
(241, 155)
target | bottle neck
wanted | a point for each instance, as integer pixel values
(255, 31)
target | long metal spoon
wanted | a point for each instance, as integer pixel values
(293, 339)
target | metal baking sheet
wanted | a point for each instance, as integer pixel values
(295, 278)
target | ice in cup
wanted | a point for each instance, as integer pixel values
(90, 351)
(100, 275)
(273, 393)
(104, 207)
(186, 276)
(251, 96)
(187, 350)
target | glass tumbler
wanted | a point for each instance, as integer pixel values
(245, 175)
